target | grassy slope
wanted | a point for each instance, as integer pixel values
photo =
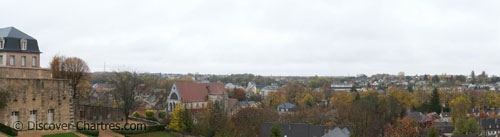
(153, 134)
(69, 134)
(2, 133)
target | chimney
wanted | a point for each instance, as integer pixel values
(208, 89)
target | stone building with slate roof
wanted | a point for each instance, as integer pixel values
(18, 49)
(34, 95)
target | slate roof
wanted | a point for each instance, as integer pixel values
(294, 130)
(490, 123)
(337, 132)
(11, 32)
(419, 117)
(445, 129)
(198, 92)
(12, 38)
(286, 106)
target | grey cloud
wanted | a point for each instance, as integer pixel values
(283, 37)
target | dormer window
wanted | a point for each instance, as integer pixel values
(24, 44)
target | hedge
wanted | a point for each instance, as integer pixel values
(147, 130)
(8, 130)
(88, 132)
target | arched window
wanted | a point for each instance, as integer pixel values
(174, 96)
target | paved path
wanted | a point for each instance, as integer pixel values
(109, 133)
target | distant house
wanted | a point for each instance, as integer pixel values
(231, 86)
(445, 117)
(424, 119)
(491, 126)
(444, 128)
(286, 107)
(268, 89)
(251, 87)
(338, 132)
(294, 130)
(195, 95)
(245, 104)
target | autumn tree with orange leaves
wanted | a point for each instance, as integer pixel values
(404, 128)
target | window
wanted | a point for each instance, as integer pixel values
(2, 43)
(32, 116)
(24, 44)
(1, 59)
(82, 114)
(50, 116)
(11, 60)
(33, 61)
(23, 61)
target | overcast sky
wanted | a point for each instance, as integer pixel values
(267, 37)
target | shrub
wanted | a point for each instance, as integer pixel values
(150, 113)
(162, 114)
(136, 115)
(8, 130)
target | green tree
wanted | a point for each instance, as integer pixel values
(459, 107)
(432, 133)
(308, 100)
(276, 131)
(187, 120)
(467, 127)
(317, 82)
(434, 104)
(358, 96)
(255, 97)
(176, 120)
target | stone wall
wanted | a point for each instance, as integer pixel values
(31, 73)
(93, 113)
(38, 95)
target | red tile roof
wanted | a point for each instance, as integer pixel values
(198, 92)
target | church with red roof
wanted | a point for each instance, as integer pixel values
(195, 95)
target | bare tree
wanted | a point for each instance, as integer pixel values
(125, 94)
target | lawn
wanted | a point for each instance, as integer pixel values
(69, 134)
(153, 134)
(2, 133)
